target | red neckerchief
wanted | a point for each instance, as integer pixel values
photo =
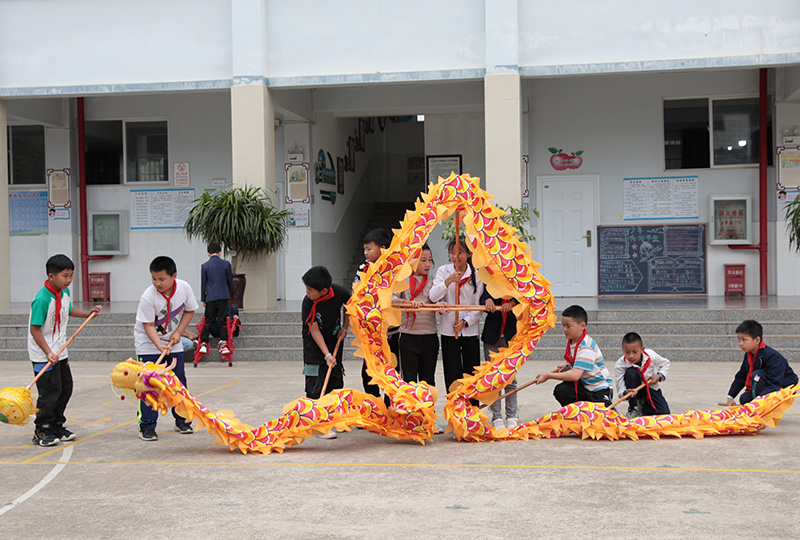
(168, 298)
(644, 377)
(464, 281)
(569, 356)
(416, 291)
(751, 358)
(505, 316)
(57, 293)
(313, 312)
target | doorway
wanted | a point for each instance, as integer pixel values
(568, 206)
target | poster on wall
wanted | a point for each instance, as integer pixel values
(789, 170)
(181, 174)
(160, 208)
(297, 182)
(299, 217)
(58, 188)
(27, 213)
(442, 166)
(660, 198)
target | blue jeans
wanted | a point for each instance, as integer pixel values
(511, 401)
(147, 416)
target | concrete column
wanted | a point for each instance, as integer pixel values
(5, 243)
(503, 138)
(253, 152)
(502, 105)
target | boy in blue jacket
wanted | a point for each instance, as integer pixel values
(763, 370)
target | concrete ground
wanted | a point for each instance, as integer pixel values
(110, 484)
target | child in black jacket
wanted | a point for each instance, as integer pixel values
(763, 370)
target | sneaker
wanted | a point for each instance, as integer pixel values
(330, 435)
(512, 422)
(223, 349)
(184, 429)
(497, 423)
(65, 435)
(148, 435)
(45, 436)
(633, 412)
(203, 349)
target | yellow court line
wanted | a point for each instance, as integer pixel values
(422, 465)
(59, 448)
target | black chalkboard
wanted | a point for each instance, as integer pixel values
(652, 259)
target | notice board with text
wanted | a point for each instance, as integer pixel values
(652, 259)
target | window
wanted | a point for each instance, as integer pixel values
(26, 155)
(119, 151)
(705, 132)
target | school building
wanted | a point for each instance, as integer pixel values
(660, 142)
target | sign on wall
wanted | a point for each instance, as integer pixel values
(58, 188)
(789, 170)
(443, 166)
(660, 198)
(27, 213)
(297, 183)
(160, 208)
(181, 174)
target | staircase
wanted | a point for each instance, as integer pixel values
(698, 335)
(385, 215)
(680, 335)
(265, 336)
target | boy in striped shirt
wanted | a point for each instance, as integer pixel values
(584, 375)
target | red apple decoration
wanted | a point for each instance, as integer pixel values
(575, 160)
(559, 160)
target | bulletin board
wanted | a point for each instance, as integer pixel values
(653, 259)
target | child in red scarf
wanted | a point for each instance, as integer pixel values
(763, 370)
(47, 334)
(636, 366)
(419, 340)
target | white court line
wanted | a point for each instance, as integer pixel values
(46, 480)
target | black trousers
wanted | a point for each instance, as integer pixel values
(336, 381)
(565, 394)
(659, 406)
(418, 356)
(216, 313)
(55, 389)
(459, 356)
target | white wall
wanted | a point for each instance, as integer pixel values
(93, 42)
(571, 35)
(199, 132)
(30, 253)
(336, 229)
(617, 122)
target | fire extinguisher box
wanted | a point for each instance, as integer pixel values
(100, 286)
(734, 279)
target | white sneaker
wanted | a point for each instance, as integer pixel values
(203, 348)
(512, 422)
(497, 423)
(330, 435)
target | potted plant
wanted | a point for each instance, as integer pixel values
(793, 223)
(243, 221)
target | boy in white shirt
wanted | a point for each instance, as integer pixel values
(636, 366)
(165, 310)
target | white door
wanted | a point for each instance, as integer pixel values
(567, 233)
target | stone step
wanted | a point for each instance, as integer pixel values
(242, 354)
